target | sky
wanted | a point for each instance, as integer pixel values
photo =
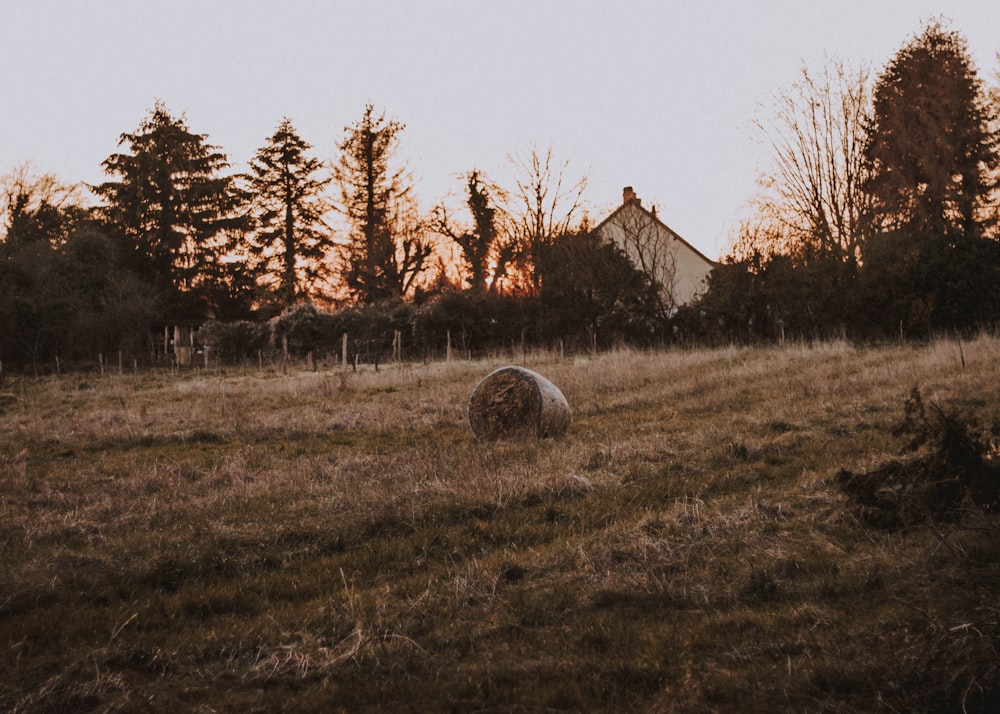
(660, 95)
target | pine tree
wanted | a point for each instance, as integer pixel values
(932, 263)
(930, 146)
(171, 207)
(386, 249)
(291, 239)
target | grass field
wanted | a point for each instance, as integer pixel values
(323, 541)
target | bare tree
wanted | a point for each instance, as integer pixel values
(386, 249)
(543, 204)
(35, 205)
(812, 194)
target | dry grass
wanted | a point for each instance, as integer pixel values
(324, 541)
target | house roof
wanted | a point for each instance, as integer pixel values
(630, 200)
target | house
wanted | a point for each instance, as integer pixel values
(678, 268)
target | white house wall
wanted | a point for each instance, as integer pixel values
(655, 249)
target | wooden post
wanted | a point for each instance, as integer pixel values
(447, 353)
(100, 361)
(343, 351)
(120, 370)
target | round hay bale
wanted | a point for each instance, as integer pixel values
(514, 401)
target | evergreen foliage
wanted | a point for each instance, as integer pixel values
(934, 161)
(173, 210)
(932, 152)
(291, 241)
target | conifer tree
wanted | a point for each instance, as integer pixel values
(171, 206)
(930, 146)
(291, 239)
(932, 263)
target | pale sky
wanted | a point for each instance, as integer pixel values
(659, 95)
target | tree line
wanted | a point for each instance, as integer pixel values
(175, 237)
(877, 218)
(878, 215)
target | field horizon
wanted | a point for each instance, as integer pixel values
(237, 539)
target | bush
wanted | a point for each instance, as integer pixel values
(236, 341)
(478, 320)
(299, 327)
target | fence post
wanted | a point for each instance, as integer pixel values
(343, 351)
(447, 353)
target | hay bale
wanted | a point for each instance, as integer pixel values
(514, 401)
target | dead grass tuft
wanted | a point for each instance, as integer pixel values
(948, 466)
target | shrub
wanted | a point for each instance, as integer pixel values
(235, 341)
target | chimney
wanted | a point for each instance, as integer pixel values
(628, 196)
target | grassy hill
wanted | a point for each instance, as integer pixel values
(701, 539)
